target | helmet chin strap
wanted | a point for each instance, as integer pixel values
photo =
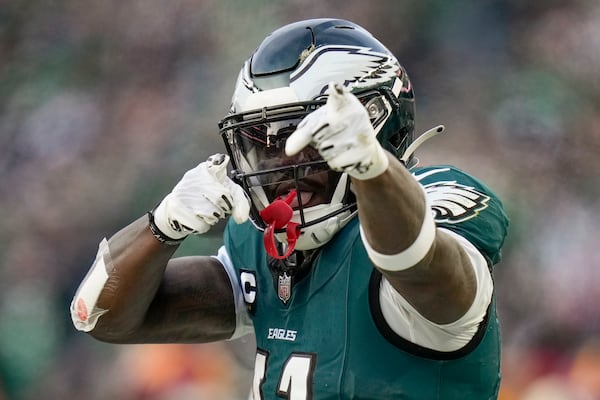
(419, 141)
(277, 215)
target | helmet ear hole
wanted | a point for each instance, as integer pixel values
(396, 140)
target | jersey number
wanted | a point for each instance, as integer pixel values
(295, 381)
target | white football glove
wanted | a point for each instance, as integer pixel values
(342, 133)
(204, 195)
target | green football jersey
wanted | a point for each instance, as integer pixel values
(323, 336)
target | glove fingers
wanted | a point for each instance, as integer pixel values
(298, 140)
(339, 96)
(232, 200)
(334, 147)
(228, 198)
(182, 220)
(307, 128)
(218, 203)
(241, 207)
(342, 163)
(323, 123)
(216, 165)
(345, 155)
(332, 128)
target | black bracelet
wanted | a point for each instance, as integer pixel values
(157, 233)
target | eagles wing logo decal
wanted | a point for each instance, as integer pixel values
(453, 203)
(363, 67)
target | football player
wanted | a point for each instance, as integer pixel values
(361, 274)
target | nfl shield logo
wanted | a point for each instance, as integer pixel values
(284, 287)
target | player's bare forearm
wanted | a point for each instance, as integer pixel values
(150, 298)
(193, 304)
(391, 210)
(138, 265)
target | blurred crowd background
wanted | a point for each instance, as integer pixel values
(104, 105)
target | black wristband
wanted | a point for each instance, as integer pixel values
(158, 234)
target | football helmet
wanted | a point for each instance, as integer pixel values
(284, 80)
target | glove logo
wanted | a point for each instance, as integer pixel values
(453, 203)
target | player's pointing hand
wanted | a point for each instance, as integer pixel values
(342, 133)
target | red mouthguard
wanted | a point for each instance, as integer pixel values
(277, 215)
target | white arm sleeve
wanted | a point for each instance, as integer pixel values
(406, 322)
(243, 323)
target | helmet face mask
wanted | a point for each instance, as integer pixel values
(285, 80)
(257, 147)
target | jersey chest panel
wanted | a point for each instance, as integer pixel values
(324, 341)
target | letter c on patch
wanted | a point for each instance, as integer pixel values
(248, 282)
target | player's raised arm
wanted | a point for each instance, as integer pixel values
(425, 266)
(134, 292)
